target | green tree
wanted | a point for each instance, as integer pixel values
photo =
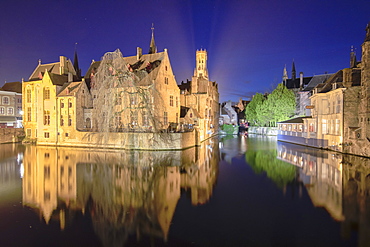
(282, 104)
(252, 108)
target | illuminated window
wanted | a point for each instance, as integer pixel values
(2, 110)
(171, 100)
(46, 117)
(5, 100)
(69, 120)
(28, 95)
(61, 104)
(10, 111)
(46, 93)
(61, 120)
(70, 103)
(29, 112)
(46, 134)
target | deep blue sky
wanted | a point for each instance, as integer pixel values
(248, 42)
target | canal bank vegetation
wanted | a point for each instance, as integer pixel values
(265, 110)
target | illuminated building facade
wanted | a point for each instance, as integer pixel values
(61, 108)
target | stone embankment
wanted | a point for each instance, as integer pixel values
(10, 135)
(268, 131)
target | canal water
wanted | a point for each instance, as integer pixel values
(231, 191)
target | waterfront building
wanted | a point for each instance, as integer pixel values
(122, 102)
(202, 96)
(11, 105)
(340, 110)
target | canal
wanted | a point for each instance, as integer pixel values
(231, 191)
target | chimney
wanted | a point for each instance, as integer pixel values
(62, 65)
(301, 80)
(139, 53)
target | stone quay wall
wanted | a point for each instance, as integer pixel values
(132, 141)
(268, 131)
(11, 135)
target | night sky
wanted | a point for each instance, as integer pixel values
(248, 42)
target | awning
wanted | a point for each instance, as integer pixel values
(7, 119)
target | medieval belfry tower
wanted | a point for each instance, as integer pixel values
(364, 109)
(201, 64)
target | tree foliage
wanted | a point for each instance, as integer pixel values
(277, 106)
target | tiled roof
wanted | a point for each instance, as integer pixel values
(58, 80)
(70, 89)
(12, 87)
(316, 80)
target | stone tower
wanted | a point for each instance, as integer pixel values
(364, 109)
(201, 64)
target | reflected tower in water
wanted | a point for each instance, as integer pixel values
(126, 194)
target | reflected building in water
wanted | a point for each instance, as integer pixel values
(126, 193)
(337, 182)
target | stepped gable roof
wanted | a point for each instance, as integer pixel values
(12, 87)
(70, 89)
(295, 120)
(316, 80)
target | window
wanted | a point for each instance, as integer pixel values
(29, 114)
(19, 110)
(46, 134)
(28, 95)
(5, 100)
(61, 120)
(69, 120)
(166, 80)
(134, 118)
(61, 104)
(2, 110)
(337, 126)
(324, 127)
(177, 102)
(19, 100)
(66, 134)
(191, 115)
(46, 93)
(145, 119)
(171, 100)
(47, 172)
(133, 99)
(46, 117)
(165, 118)
(70, 103)
(10, 111)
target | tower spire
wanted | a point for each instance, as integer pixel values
(75, 64)
(293, 71)
(152, 48)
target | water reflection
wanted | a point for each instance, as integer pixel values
(126, 193)
(339, 183)
(11, 168)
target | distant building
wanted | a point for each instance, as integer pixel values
(11, 105)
